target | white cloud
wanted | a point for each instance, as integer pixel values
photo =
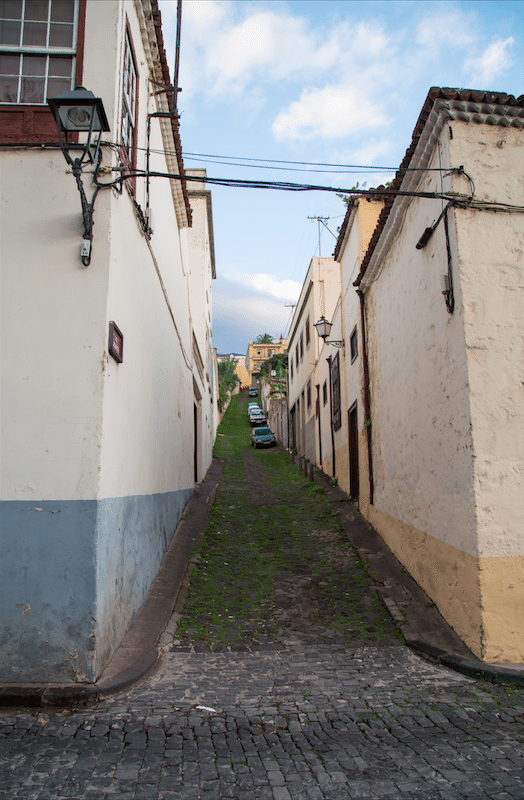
(451, 29)
(492, 63)
(271, 285)
(331, 112)
(228, 47)
(264, 283)
(238, 319)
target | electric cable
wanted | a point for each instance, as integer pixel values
(456, 198)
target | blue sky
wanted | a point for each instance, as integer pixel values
(324, 81)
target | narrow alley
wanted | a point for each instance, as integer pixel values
(283, 677)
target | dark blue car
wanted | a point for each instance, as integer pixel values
(263, 437)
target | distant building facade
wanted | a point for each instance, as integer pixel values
(258, 352)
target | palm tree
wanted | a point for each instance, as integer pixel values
(264, 338)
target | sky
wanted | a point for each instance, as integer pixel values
(333, 84)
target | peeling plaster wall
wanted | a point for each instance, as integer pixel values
(422, 443)
(447, 404)
(491, 248)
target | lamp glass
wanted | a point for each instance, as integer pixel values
(323, 327)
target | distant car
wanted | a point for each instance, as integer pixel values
(253, 392)
(263, 437)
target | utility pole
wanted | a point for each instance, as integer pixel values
(319, 220)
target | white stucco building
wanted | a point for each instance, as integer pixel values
(443, 290)
(318, 297)
(100, 453)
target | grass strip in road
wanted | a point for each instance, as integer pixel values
(268, 527)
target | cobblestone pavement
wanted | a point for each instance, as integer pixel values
(282, 679)
(300, 723)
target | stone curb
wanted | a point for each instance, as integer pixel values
(139, 651)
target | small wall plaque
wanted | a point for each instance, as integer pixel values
(116, 342)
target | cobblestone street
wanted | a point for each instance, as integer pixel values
(302, 722)
(283, 678)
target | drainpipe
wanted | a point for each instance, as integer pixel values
(367, 395)
(319, 427)
(329, 359)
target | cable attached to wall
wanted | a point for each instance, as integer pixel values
(447, 279)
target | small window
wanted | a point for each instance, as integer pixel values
(324, 393)
(309, 394)
(308, 334)
(301, 346)
(354, 344)
(296, 355)
(291, 364)
(259, 352)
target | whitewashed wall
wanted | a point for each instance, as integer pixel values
(96, 470)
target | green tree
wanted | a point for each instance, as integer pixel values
(277, 363)
(264, 338)
(227, 380)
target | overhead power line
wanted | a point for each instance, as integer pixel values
(462, 200)
(298, 166)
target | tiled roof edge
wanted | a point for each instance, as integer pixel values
(468, 104)
(175, 124)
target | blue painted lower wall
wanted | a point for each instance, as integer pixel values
(47, 590)
(73, 576)
(133, 534)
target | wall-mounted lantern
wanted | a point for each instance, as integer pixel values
(324, 329)
(79, 111)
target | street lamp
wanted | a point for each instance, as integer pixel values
(324, 329)
(79, 111)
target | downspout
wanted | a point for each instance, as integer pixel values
(319, 427)
(328, 359)
(367, 395)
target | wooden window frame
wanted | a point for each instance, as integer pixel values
(128, 161)
(336, 412)
(353, 344)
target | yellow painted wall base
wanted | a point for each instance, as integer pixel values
(502, 602)
(481, 598)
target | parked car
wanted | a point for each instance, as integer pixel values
(263, 437)
(253, 392)
(257, 416)
(252, 405)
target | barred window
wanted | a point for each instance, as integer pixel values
(37, 49)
